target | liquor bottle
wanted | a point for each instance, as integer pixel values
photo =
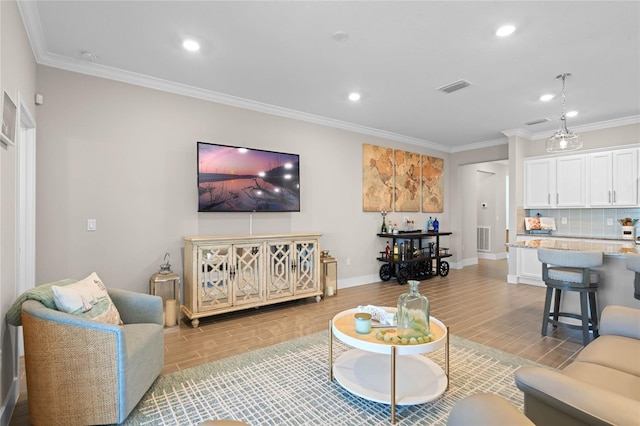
(395, 250)
(429, 225)
(387, 251)
(436, 225)
(383, 228)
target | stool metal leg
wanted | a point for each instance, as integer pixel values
(556, 305)
(584, 313)
(547, 306)
(594, 314)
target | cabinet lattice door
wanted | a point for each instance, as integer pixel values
(246, 274)
(279, 274)
(304, 267)
(215, 283)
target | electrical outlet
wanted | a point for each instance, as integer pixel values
(348, 261)
(564, 220)
(609, 221)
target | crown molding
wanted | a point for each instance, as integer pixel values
(517, 132)
(607, 124)
(31, 19)
(98, 70)
(479, 145)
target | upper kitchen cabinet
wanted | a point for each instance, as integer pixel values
(555, 182)
(613, 178)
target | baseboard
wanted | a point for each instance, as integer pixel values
(531, 281)
(466, 262)
(512, 279)
(358, 281)
(9, 403)
(492, 256)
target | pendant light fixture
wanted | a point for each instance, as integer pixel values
(564, 139)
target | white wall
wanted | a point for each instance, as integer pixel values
(126, 156)
(464, 195)
(17, 78)
(491, 190)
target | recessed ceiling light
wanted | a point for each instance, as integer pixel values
(354, 96)
(547, 97)
(505, 30)
(571, 113)
(340, 36)
(191, 45)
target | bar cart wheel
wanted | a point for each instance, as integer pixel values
(385, 272)
(403, 274)
(444, 268)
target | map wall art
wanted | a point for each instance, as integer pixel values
(432, 184)
(401, 181)
(407, 185)
(377, 178)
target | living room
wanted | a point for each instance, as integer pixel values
(124, 154)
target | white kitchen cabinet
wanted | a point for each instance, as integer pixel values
(613, 178)
(539, 182)
(555, 182)
(230, 273)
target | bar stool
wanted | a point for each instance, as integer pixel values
(633, 264)
(570, 271)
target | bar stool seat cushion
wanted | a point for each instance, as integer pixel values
(571, 275)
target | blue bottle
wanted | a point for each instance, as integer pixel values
(436, 225)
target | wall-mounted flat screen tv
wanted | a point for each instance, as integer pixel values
(237, 179)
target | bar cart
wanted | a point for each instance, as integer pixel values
(413, 261)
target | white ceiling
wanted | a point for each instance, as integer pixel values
(280, 57)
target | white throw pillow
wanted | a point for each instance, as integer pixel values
(87, 298)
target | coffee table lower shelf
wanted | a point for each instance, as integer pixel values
(368, 375)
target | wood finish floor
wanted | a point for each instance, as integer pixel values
(475, 302)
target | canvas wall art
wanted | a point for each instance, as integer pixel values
(401, 181)
(377, 178)
(432, 184)
(407, 181)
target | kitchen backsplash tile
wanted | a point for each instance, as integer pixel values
(590, 223)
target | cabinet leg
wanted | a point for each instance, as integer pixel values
(393, 385)
(195, 322)
(318, 298)
(330, 350)
(446, 359)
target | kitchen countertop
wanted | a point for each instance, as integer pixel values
(617, 248)
(573, 237)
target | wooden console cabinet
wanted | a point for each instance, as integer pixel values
(229, 273)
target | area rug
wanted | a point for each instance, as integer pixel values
(288, 384)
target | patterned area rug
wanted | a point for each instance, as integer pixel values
(287, 384)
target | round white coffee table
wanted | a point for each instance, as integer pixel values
(384, 372)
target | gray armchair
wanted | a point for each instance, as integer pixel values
(602, 385)
(80, 371)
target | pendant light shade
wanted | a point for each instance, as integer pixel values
(564, 139)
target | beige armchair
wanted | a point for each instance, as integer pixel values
(602, 385)
(84, 372)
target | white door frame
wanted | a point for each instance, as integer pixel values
(26, 217)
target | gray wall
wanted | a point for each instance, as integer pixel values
(126, 156)
(18, 79)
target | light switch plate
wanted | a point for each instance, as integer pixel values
(91, 224)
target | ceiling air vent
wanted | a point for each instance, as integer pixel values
(456, 85)
(538, 121)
